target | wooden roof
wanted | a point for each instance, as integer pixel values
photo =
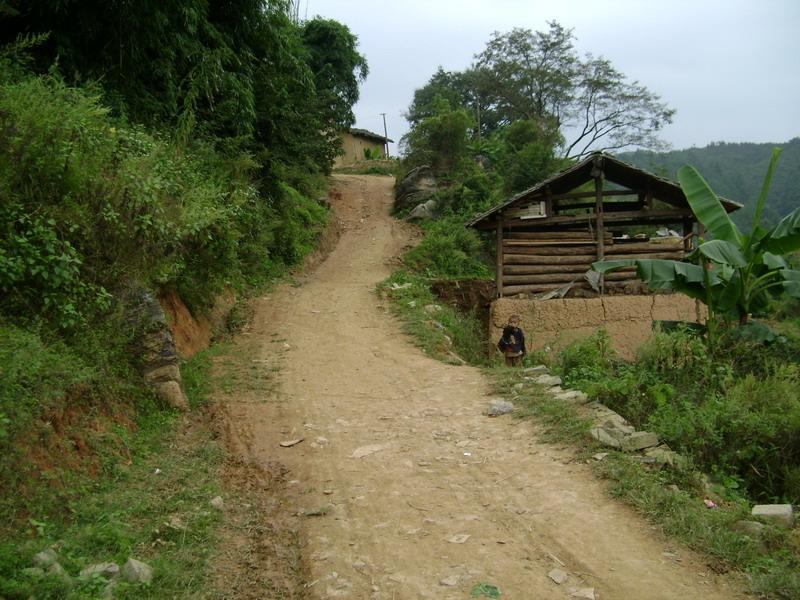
(614, 171)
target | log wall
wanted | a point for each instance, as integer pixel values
(541, 261)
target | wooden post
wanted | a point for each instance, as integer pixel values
(548, 201)
(648, 198)
(597, 173)
(499, 267)
(688, 234)
(385, 134)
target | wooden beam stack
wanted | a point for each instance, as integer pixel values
(541, 261)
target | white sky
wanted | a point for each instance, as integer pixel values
(731, 68)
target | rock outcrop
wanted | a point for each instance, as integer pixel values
(415, 189)
(155, 345)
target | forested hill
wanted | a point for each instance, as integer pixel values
(735, 171)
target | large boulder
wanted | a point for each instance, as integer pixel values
(423, 211)
(415, 188)
(155, 347)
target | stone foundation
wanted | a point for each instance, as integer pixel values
(628, 319)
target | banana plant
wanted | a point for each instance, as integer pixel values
(734, 273)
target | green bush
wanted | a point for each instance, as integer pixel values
(737, 418)
(35, 374)
(588, 358)
(438, 329)
(448, 251)
(92, 204)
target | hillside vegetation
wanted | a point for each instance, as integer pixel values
(734, 171)
(154, 147)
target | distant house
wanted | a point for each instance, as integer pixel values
(355, 141)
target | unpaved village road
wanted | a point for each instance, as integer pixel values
(427, 497)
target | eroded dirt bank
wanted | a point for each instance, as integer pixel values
(418, 495)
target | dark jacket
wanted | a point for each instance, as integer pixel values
(513, 341)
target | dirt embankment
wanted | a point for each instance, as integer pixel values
(404, 489)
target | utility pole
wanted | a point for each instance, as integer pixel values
(385, 137)
(478, 108)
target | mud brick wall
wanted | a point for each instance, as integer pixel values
(628, 319)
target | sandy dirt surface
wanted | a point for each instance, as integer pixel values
(416, 493)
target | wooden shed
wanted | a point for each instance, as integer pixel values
(548, 235)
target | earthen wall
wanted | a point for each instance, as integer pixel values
(628, 319)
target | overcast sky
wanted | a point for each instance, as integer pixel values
(729, 67)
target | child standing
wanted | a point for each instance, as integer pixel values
(512, 343)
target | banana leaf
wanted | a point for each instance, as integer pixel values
(664, 274)
(785, 236)
(758, 232)
(723, 252)
(707, 207)
(791, 282)
(773, 261)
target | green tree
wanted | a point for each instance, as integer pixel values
(440, 140)
(540, 75)
(337, 66)
(534, 73)
(527, 154)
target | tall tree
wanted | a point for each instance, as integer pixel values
(337, 66)
(538, 75)
(534, 73)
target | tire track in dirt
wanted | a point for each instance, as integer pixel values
(422, 496)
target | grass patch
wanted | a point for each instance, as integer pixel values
(386, 167)
(440, 330)
(148, 499)
(562, 423)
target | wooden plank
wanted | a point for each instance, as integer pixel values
(583, 234)
(576, 195)
(644, 247)
(548, 201)
(612, 206)
(676, 255)
(687, 235)
(538, 288)
(534, 269)
(545, 243)
(598, 209)
(551, 250)
(559, 277)
(577, 259)
(540, 269)
(539, 259)
(659, 215)
(499, 252)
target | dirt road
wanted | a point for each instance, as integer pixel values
(417, 494)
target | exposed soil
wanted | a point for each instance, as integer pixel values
(405, 489)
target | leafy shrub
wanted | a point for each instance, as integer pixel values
(680, 357)
(737, 418)
(588, 357)
(35, 374)
(441, 330)
(748, 434)
(760, 427)
(40, 274)
(93, 204)
(449, 250)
